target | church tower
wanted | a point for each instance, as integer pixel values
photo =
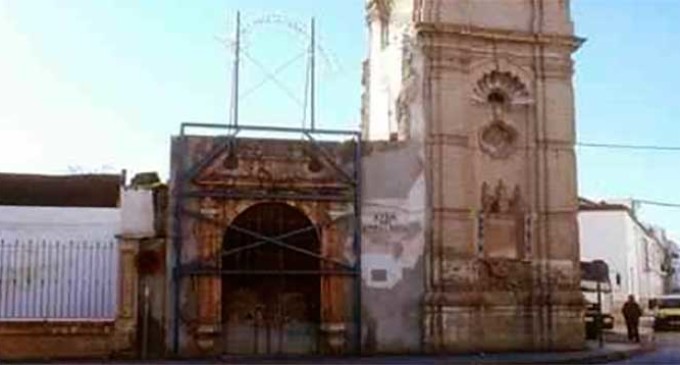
(484, 88)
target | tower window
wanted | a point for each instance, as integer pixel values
(384, 33)
(496, 97)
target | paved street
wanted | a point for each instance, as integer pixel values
(667, 351)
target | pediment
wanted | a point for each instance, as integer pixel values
(277, 164)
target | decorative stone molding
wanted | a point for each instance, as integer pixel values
(379, 8)
(498, 139)
(409, 90)
(500, 201)
(569, 43)
(458, 140)
(501, 84)
(127, 300)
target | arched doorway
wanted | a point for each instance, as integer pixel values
(271, 286)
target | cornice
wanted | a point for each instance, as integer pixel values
(499, 35)
(379, 9)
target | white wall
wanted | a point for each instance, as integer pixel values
(616, 238)
(603, 235)
(57, 222)
(674, 283)
(137, 213)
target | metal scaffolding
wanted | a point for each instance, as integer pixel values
(184, 189)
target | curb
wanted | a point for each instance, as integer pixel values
(593, 356)
(609, 357)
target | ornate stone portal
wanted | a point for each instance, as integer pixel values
(265, 264)
(487, 95)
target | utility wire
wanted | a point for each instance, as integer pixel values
(638, 147)
(628, 146)
(657, 203)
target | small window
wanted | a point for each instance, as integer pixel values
(618, 279)
(384, 34)
(496, 97)
(379, 275)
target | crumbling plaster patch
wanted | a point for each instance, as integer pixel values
(393, 215)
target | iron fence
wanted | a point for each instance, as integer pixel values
(58, 279)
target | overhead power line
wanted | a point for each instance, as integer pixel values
(628, 146)
(657, 203)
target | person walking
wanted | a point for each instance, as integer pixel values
(632, 313)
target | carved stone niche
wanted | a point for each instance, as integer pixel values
(498, 139)
(499, 92)
(501, 231)
(499, 201)
(501, 87)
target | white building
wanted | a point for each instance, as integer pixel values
(635, 254)
(59, 243)
(672, 263)
(674, 260)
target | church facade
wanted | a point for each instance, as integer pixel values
(447, 225)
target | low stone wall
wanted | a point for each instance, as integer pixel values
(64, 340)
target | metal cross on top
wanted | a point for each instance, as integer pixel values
(241, 53)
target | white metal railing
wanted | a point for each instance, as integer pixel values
(58, 279)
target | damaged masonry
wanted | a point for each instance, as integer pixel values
(448, 225)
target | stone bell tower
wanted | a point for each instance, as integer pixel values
(485, 88)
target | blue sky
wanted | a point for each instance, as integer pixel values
(101, 85)
(626, 78)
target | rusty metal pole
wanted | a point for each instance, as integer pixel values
(145, 321)
(313, 76)
(599, 313)
(237, 67)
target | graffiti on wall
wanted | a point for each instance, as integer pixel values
(392, 234)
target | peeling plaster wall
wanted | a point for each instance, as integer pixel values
(387, 69)
(394, 189)
(393, 242)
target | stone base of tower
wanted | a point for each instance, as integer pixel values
(503, 328)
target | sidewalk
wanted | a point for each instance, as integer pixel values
(620, 334)
(592, 355)
(610, 352)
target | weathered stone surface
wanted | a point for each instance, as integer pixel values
(493, 109)
(308, 180)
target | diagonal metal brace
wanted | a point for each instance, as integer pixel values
(329, 159)
(267, 239)
(290, 247)
(222, 146)
(260, 243)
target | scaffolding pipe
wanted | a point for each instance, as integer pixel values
(313, 77)
(237, 66)
(178, 190)
(357, 240)
(181, 191)
(269, 129)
